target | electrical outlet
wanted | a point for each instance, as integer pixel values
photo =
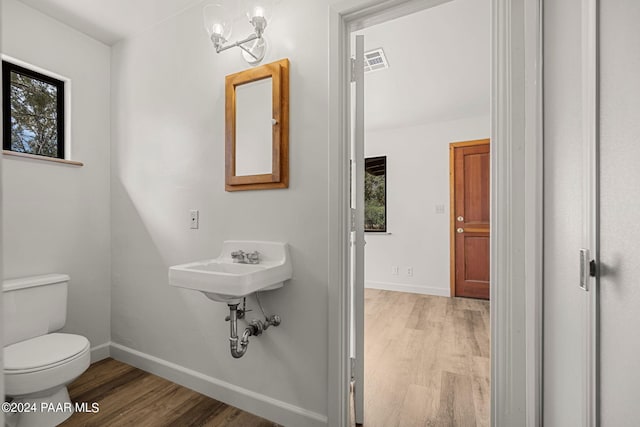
(195, 218)
(439, 209)
(395, 270)
(409, 271)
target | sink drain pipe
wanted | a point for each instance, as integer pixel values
(255, 328)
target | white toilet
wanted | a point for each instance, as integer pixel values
(39, 363)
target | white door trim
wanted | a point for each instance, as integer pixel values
(516, 217)
(516, 220)
(591, 197)
(534, 210)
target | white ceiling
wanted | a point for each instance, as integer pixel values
(439, 62)
(111, 20)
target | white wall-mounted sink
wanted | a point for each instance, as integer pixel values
(222, 279)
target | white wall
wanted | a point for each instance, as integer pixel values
(56, 217)
(417, 181)
(167, 158)
(620, 204)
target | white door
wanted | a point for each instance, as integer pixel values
(357, 227)
(569, 360)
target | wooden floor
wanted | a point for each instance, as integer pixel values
(130, 397)
(426, 360)
(426, 364)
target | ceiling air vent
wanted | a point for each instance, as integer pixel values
(375, 60)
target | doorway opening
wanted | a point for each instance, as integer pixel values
(516, 202)
(421, 320)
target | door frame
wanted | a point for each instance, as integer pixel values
(452, 206)
(516, 204)
(591, 205)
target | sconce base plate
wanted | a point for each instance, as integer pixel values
(258, 48)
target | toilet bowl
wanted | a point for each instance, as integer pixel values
(39, 363)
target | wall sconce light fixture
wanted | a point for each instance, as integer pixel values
(217, 23)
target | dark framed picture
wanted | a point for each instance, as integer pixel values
(375, 194)
(33, 112)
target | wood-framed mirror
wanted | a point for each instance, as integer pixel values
(257, 128)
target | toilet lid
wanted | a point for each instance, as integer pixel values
(42, 351)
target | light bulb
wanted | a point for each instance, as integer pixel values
(260, 9)
(217, 29)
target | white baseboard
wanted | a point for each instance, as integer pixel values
(403, 287)
(247, 400)
(100, 352)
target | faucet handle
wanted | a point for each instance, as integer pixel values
(238, 256)
(253, 257)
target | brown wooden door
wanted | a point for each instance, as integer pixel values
(470, 218)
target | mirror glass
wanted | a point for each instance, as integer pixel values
(254, 135)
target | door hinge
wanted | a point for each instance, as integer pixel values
(352, 368)
(353, 219)
(353, 70)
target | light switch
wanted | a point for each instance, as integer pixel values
(195, 218)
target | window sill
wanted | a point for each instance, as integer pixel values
(377, 233)
(43, 158)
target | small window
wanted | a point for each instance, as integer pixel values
(375, 194)
(33, 112)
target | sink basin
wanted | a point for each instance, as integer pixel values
(221, 279)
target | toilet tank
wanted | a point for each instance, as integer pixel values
(34, 306)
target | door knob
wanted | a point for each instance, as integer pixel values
(460, 219)
(460, 230)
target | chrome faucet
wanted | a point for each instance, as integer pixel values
(243, 257)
